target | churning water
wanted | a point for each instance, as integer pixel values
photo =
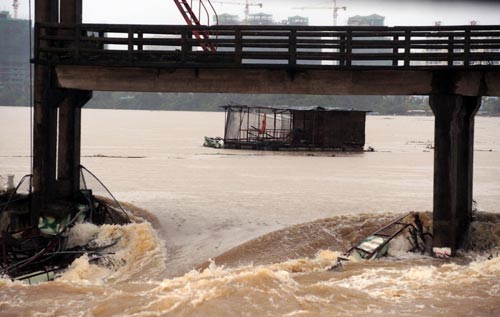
(272, 223)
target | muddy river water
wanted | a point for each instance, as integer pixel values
(271, 222)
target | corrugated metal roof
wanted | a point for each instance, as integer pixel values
(296, 108)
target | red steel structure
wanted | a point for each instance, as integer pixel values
(204, 7)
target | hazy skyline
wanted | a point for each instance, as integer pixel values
(396, 12)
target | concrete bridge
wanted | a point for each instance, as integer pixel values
(455, 66)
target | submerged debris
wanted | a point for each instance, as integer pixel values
(216, 142)
(376, 245)
(38, 252)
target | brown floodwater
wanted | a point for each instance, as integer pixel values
(272, 222)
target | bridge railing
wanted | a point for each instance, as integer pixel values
(268, 46)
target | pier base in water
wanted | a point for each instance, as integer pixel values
(453, 165)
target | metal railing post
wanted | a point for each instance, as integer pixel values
(467, 46)
(348, 58)
(238, 47)
(292, 48)
(130, 48)
(407, 48)
(395, 50)
(450, 50)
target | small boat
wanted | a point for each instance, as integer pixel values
(216, 142)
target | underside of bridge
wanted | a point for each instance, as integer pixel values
(62, 90)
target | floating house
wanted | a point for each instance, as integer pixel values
(293, 128)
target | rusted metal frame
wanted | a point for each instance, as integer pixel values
(258, 122)
(274, 124)
(242, 118)
(248, 124)
(313, 128)
(226, 123)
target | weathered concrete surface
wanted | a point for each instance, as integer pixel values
(45, 121)
(68, 156)
(453, 167)
(56, 149)
(274, 81)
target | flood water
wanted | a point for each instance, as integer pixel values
(273, 222)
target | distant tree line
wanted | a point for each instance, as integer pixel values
(387, 105)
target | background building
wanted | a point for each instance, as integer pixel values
(367, 20)
(14, 60)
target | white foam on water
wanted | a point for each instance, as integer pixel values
(138, 252)
(424, 281)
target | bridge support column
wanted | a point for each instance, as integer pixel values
(45, 121)
(56, 148)
(453, 165)
(68, 177)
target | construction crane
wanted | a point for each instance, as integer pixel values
(335, 9)
(246, 4)
(15, 6)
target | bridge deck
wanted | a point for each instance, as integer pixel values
(272, 59)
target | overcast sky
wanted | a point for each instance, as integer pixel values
(396, 12)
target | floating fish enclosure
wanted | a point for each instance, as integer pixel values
(292, 128)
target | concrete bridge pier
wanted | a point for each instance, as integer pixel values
(69, 143)
(57, 123)
(453, 165)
